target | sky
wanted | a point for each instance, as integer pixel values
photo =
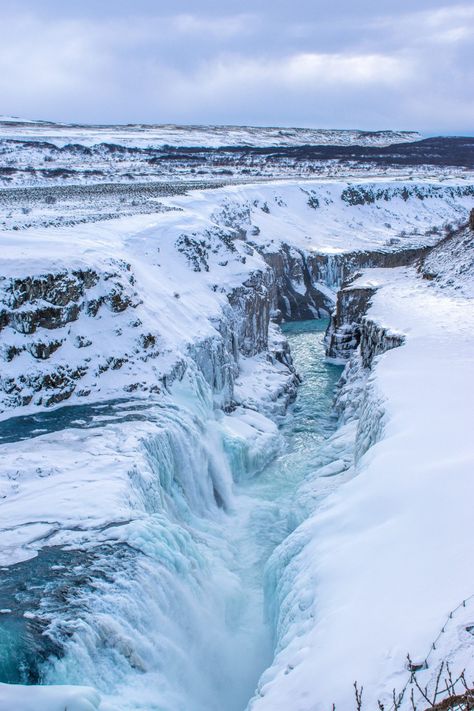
(369, 64)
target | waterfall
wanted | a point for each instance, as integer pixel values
(165, 612)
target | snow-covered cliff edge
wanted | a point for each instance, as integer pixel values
(158, 334)
(148, 287)
(377, 568)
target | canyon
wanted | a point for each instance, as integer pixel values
(189, 521)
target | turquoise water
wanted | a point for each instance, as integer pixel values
(309, 421)
(265, 505)
(16, 429)
(173, 618)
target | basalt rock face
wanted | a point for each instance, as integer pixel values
(45, 323)
(244, 330)
(344, 333)
(354, 262)
(352, 301)
(252, 304)
(305, 281)
(299, 284)
(357, 397)
(375, 340)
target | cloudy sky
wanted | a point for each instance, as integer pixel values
(322, 63)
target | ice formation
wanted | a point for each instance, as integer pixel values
(159, 500)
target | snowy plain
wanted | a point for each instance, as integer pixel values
(72, 163)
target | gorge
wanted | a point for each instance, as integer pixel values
(187, 521)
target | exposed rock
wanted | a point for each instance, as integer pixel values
(58, 289)
(375, 339)
(252, 304)
(344, 331)
(42, 350)
(82, 342)
(34, 306)
(298, 284)
(29, 320)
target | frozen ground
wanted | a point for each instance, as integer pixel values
(133, 433)
(342, 203)
(44, 155)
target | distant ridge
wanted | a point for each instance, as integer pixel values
(158, 135)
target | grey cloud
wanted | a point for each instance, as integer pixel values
(328, 64)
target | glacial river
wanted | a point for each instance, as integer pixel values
(170, 614)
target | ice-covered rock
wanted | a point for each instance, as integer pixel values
(353, 299)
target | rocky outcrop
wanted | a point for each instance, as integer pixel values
(352, 301)
(251, 304)
(357, 397)
(300, 278)
(350, 328)
(66, 332)
(305, 281)
(55, 299)
(344, 333)
(352, 263)
(45, 321)
(375, 340)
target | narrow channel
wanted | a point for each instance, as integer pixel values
(266, 503)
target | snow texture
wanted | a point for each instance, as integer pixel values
(374, 572)
(157, 328)
(210, 136)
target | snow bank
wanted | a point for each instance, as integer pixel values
(49, 698)
(373, 573)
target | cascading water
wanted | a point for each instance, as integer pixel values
(166, 613)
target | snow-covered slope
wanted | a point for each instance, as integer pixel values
(153, 284)
(451, 263)
(141, 380)
(379, 571)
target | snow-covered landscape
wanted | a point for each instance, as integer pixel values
(236, 356)
(190, 521)
(158, 136)
(168, 158)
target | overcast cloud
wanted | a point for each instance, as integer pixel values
(335, 63)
